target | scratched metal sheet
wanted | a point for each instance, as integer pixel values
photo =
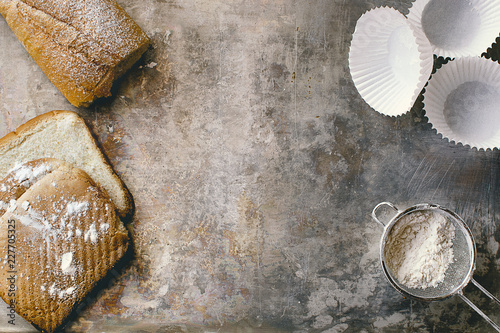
(254, 165)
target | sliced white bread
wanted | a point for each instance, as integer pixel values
(64, 135)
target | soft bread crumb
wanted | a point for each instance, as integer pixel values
(65, 136)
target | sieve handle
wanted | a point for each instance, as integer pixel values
(486, 292)
(374, 211)
(472, 305)
(481, 313)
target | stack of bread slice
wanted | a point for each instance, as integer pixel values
(60, 226)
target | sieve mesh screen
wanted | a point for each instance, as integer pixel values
(459, 271)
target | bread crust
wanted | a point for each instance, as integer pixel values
(64, 237)
(82, 46)
(14, 140)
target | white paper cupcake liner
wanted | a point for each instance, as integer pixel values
(457, 28)
(462, 102)
(389, 61)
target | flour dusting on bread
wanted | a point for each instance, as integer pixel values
(65, 136)
(82, 46)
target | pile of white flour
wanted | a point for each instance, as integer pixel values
(419, 249)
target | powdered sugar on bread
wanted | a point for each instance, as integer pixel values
(81, 45)
(67, 237)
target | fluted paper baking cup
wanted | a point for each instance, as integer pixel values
(462, 102)
(389, 62)
(457, 28)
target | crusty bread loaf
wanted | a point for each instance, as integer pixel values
(64, 135)
(81, 45)
(58, 238)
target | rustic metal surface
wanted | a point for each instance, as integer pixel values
(254, 165)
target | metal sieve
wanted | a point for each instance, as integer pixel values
(459, 273)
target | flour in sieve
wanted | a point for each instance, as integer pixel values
(420, 248)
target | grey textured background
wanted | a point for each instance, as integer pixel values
(254, 166)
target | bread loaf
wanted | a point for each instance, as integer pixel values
(59, 236)
(81, 45)
(64, 135)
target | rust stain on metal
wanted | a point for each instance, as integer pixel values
(111, 302)
(247, 240)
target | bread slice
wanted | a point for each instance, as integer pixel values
(81, 45)
(64, 135)
(58, 238)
